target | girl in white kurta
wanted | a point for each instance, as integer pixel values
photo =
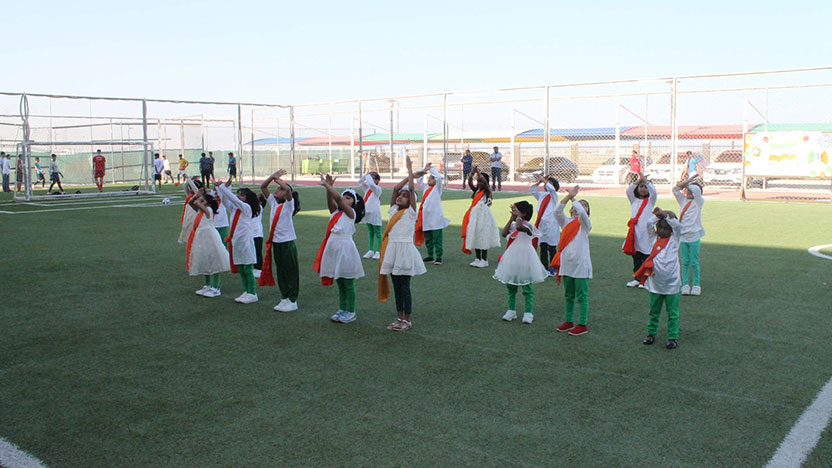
(572, 262)
(188, 212)
(220, 219)
(240, 240)
(372, 212)
(337, 258)
(206, 254)
(430, 219)
(690, 215)
(545, 221)
(640, 235)
(399, 256)
(519, 266)
(479, 228)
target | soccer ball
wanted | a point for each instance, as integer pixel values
(166, 201)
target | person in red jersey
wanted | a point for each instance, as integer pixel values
(98, 168)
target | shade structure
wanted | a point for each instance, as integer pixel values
(569, 134)
(497, 136)
(273, 141)
(792, 127)
(686, 132)
(325, 140)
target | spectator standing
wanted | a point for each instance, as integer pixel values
(55, 174)
(205, 168)
(158, 167)
(5, 170)
(467, 162)
(39, 171)
(211, 158)
(635, 168)
(99, 164)
(183, 164)
(232, 167)
(496, 170)
(166, 170)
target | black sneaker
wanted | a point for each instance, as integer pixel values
(671, 344)
(427, 259)
(649, 340)
(438, 261)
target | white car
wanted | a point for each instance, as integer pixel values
(611, 173)
(726, 169)
(661, 171)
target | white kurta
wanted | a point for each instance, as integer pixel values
(257, 225)
(433, 217)
(692, 229)
(549, 230)
(221, 218)
(285, 229)
(645, 234)
(187, 224)
(340, 258)
(208, 254)
(519, 265)
(575, 260)
(243, 239)
(482, 227)
(372, 207)
(401, 256)
(666, 277)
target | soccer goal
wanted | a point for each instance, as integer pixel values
(70, 169)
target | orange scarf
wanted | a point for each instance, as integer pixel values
(647, 267)
(543, 205)
(383, 285)
(684, 210)
(566, 235)
(266, 276)
(474, 202)
(367, 195)
(184, 208)
(191, 240)
(630, 242)
(419, 238)
(228, 239)
(326, 280)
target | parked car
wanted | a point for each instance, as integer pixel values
(611, 173)
(561, 168)
(662, 170)
(727, 169)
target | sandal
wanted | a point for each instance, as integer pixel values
(404, 325)
(649, 340)
(395, 325)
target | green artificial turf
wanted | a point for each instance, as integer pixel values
(108, 358)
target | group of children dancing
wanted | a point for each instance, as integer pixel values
(221, 227)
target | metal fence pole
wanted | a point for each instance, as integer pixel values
(674, 131)
(240, 145)
(392, 164)
(360, 139)
(252, 145)
(744, 131)
(292, 141)
(425, 143)
(547, 136)
(513, 161)
(445, 139)
(329, 138)
(25, 149)
(617, 137)
(352, 146)
(144, 146)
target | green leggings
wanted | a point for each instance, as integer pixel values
(247, 277)
(672, 304)
(213, 280)
(690, 259)
(433, 243)
(374, 236)
(346, 294)
(576, 289)
(528, 293)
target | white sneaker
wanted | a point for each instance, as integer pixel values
(369, 254)
(475, 263)
(280, 305)
(247, 298)
(633, 283)
(483, 263)
(213, 292)
(376, 255)
(695, 291)
(240, 298)
(290, 306)
(201, 292)
(527, 317)
(257, 273)
(510, 315)
(640, 286)
(685, 290)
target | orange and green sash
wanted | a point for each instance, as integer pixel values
(266, 276)
(326, 280)
(647, 267)
(630, 242)
(465, 218)
(567, 234)
(230, 244)
(419, 238)
(191, 240)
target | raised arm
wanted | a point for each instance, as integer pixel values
(652, 189)
(514, 214)
(264, 187)
(337, 201)
(229, 198)
(474, 172)
(285, 187)
(396, 189)
(697, 194)
(550, 189)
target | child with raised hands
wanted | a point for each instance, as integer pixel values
(338, 258)
(431, 220)
(205, 253)
(186, 219)
(545, 220)
(572, 263)
(372, 212)
(518, 267)
(246, 209)
(660, 275)
(399, 256)
(688, 193)
(640, 234)
(284, 204)
(479, 228)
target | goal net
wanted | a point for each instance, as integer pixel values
(68, 169)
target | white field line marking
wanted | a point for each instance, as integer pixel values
(816, 251)
(805, 434)
(13, 457)
(85, 208)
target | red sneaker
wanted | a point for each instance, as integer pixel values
(578, 330)
(565, 326)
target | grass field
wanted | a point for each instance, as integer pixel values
(107, 357)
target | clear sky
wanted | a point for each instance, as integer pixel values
(303, 51)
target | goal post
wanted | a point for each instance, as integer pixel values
(128, 166)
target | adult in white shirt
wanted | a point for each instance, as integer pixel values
(5, 169)
(158, 167)
(496, 170)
